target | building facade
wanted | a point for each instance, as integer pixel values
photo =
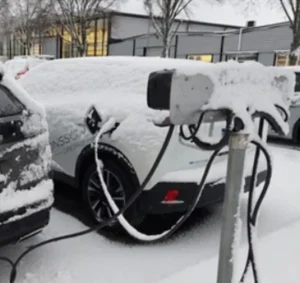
(133, 35)
(269, 45)
(103, 39)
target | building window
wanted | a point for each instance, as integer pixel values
(35, 49)
(97, 40)
(203, 57)
(242, 57)
(66, 44)
(282, 59)
(102, 42)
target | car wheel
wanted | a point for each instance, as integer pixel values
(121, 189)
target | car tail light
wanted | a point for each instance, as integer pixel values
(171, 195)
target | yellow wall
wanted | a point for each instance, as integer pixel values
(94, 48)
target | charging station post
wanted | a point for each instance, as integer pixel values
(231, 212)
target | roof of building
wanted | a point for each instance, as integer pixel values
(227, 13)
(229, 31)
(144, 16)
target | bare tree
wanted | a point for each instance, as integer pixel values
(75, 16)
(163, 14)
(291, 9)
(26, 19)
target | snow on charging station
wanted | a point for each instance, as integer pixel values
(242, 91)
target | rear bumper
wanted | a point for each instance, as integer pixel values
(152, 202)
(26, 212)
(23, 228)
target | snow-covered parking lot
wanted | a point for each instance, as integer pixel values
(190, 256)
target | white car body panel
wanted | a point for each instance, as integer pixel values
(137, 137)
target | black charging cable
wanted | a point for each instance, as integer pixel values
(14, 264)
(194, 130)
(206, 146)
(252, 214)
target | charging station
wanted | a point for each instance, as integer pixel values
(231, 92)
(246, 91)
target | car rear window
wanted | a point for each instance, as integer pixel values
(9, 105)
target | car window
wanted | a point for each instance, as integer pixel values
(9, 105)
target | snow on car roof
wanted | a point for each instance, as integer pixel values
(118, 85)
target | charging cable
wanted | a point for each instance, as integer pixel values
(125, 224)
(119, 212)
(251, 216)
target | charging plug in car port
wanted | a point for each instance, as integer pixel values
(93, 121)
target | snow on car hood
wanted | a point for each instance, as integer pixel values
(117, 86)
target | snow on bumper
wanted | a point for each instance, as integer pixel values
(27, 202)
(25, 188)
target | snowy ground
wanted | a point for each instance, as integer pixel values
(190, 255)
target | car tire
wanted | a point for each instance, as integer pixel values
(121, 188)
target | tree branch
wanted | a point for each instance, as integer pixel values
(286, 11)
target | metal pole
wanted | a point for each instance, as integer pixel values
(231, 212)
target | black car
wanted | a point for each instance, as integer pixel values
(26, 191)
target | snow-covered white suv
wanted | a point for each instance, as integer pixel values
(26, 192)
(117, 86)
